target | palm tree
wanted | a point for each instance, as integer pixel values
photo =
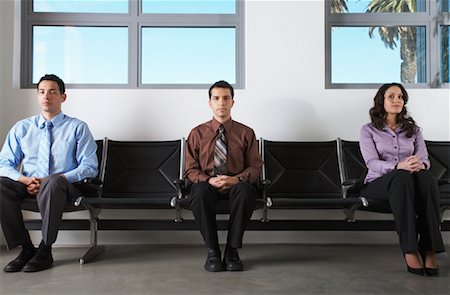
(339, 6)
(391, 35)
(445, 76)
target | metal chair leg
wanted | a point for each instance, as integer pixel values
(94, 249)
(264, 217)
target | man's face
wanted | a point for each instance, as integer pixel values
(221, 103)
(50, 98)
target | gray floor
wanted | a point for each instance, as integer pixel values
(269, 269)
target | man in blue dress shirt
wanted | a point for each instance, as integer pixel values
(55, 151)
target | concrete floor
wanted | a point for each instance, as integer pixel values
(269, 269)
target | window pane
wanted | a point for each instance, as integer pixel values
(97, 6)
(363, 6)
(445, 52)
(445, 7)
(81, 54)
(370, 55)
(189, 6)
(188, 55)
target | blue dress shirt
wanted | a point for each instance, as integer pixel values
(73, 150)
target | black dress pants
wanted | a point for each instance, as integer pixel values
(414, 202)
(203, 201)
(54, 192)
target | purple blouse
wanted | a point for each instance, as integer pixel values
(383, 149)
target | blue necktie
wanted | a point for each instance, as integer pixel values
(43, 166)
(220, 153)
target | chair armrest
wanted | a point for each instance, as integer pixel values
(89, 187)
(265, 186)
(91, 180)
(352, 182)
(266, 182)
(443, 181)
(181, 187)
(351, 186)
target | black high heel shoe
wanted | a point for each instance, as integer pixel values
(429, 272)
(415, 271)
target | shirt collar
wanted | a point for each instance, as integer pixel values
(227, 124)
(56, 121)
(397, 130)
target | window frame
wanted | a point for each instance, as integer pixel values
(134, 20)
(431, 19)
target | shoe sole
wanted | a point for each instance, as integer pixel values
(214, 269)
(12, 270)
(38, 269)
(235, 268)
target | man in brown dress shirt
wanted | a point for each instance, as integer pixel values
(243, 167)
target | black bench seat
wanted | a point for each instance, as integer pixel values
(305, 175)
(135, 175)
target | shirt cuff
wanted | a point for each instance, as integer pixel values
(203, 178)
(71, 177)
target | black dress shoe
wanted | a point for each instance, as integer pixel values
(231, 260)
(20, 261)
(213, 262)
(43, 259)
(38, 263)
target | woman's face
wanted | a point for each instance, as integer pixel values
(393, 100)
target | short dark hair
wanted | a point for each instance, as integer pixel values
(54, 78)
(221, 84)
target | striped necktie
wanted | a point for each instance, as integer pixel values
(220, 153)
(43, 165)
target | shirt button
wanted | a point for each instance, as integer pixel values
(395, 159)
(395, 147)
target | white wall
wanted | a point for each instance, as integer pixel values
(284, 98)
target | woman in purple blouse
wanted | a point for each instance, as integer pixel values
(398, 171)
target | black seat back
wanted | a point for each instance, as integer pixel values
(352, 166)
(142, 169)
(301, 169)
(439, 155)
(353, 169)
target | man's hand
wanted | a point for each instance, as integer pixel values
(223, 183)
(33, 184)
(411, 164)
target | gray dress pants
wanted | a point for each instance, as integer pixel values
(55, 191)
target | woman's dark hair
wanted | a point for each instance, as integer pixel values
(378, 113)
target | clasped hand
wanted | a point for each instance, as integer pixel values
(33, 184)
(411, 164)
(223, 183)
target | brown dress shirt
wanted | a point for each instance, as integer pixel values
(243, 159)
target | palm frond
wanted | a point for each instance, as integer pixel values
(339, 6)
(389, 35)
(398, 6)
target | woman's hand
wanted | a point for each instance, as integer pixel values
(411, 164)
